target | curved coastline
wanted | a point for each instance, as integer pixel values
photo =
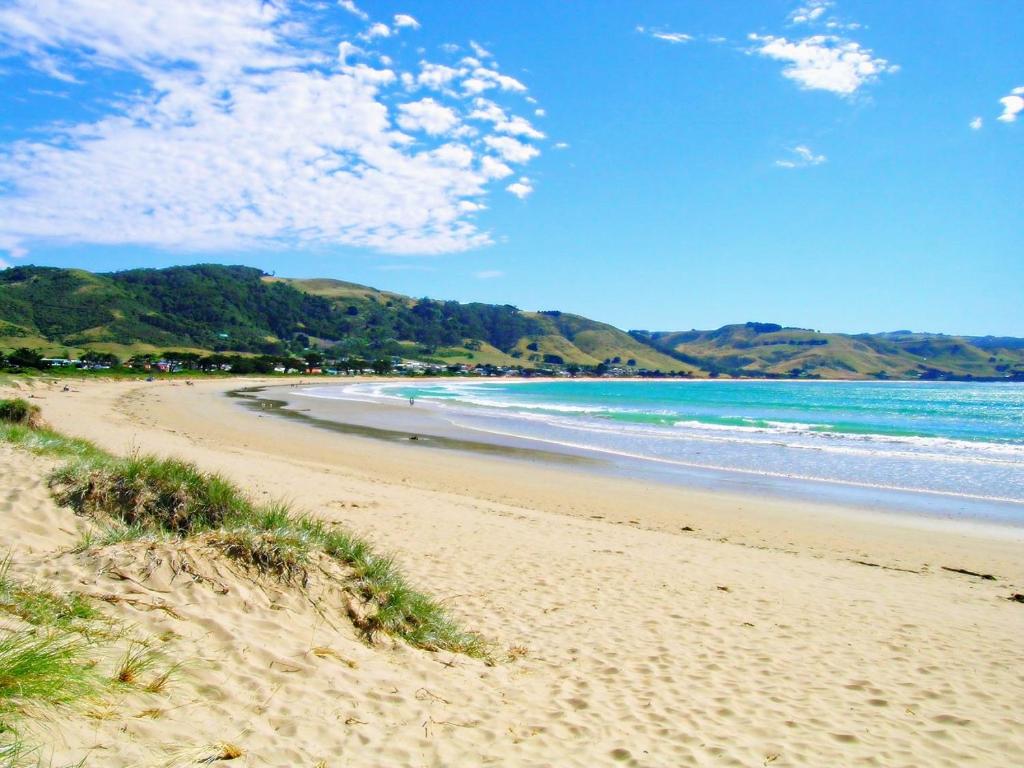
(437, 424)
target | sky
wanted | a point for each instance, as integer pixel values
(844, 166)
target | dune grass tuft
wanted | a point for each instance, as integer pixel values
(42, 669)
(41, 607)
(137, 660)
(13, 751)
(146, 496)
(150, 492)
(159, 683)
(280, 552)
(400, 610)
(206, 754)
(47, 442)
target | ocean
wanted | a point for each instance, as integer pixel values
(954, 448)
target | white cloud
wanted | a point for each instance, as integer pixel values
(802, 157)
(479, 50)
(352, 8)
(492, 168)
(518, 126)
(540, 112)
(405, 20)
(522, 188)
(436, 76)
(668, 37)
(672, 37)
(485, 109)
(488, 274)
(347, 50)
(810, 12)
(427, 115)
(248, 129)
(976, 124)
(484, 79)
(514, 125)
(376, 30)
(1012, 105)
(473, 85)
(824, 62)
(510, 149)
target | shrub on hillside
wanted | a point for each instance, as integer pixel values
(20, 412)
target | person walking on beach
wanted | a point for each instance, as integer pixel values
(412, 401)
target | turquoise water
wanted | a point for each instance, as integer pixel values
(955, 440)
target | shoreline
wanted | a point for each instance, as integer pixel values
(751, 518)
(378, 412)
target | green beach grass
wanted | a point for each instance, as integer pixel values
(47, 664)
(142, 496)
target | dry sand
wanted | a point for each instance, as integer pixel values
(754, 639)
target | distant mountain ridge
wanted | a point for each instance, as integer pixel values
(233, 308)
(769, 350)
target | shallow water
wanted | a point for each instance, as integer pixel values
(956, 441)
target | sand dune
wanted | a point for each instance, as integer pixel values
(755, 639)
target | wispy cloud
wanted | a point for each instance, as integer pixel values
(801, 157)
(810, 11)
(827, 61)
(667, 36)
(377, 29)
(479, 50)
(824, 62)
(672, 37)
(512, 150)
(251, 130)
(488, 274)
(1012, 105)
(976, 124)
(405, 20)
(352, 8)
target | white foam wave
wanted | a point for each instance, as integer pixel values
(748, 471)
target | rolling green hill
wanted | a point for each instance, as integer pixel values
(240, 309)
(217, 308)
(766, 349)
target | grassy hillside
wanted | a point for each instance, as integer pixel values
(205, 307)
(764, 349)
(587, 342)
(216, 308)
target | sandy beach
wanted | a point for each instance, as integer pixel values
(636, 623)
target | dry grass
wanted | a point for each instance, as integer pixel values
(159, 683)
(138, 659)
(204, 755)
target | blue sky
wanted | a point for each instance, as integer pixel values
(849, 166)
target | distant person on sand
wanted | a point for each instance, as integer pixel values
(412, 401)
